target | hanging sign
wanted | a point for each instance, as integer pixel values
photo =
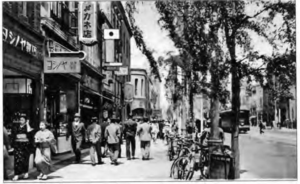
(87, 22)
(128, 92)
(62, 65)
(122, 71)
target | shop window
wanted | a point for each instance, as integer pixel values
(17, 86)
(136, 85)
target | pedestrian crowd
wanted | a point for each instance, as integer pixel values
(108, 136)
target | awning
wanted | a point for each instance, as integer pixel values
(94, 92)
(138, 104)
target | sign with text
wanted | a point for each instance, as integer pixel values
(22, 43)
(87, 22)
(111, 68)
(62, 65)
(122, 71)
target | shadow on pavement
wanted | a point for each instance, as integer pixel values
(243, 171)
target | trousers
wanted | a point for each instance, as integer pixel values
(145, 147)
(95, 149)
(113, 151)
(130, 140)
(76, 146)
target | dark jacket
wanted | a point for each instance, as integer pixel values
(77, 132)
(130, 128)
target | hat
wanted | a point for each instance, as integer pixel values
(22, 115)
(94, 119)
(77, 115)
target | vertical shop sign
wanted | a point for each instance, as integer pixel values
(128, 92)
(87, 22)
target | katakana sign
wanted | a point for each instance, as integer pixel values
(87, 22)
(62, 65)
(20, 42)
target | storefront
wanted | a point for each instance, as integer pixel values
(60, 105)
(138, 108)
(22, 66)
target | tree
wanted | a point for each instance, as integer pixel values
(235, 26)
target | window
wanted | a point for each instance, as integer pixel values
(60, 12)
(142, 85)
(136, 85)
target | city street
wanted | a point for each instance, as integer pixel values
(272, 155)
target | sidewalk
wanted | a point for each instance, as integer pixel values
(55, 160)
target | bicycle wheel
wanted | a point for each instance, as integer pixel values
(176, 168)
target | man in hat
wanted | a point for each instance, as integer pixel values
(129, 133)
(93, 136)
(112, 135)
(144, 131)
(77, 131)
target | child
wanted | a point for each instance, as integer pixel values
(45, 141)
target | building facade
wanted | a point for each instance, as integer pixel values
(114, 17)
(140, 107)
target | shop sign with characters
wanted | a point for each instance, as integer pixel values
(88, 22)
(20, 42)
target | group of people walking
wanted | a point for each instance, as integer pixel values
(107, 135)
(25, 141)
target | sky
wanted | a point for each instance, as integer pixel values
(156, 39)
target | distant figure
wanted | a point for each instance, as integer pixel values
(113, 135)
(155, 131)
(103, 125)
(144, 131)
(6, 148)
(77, 132)
(129, 133)
(261, 127)
(93, 137)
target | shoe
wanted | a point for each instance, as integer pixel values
(45, 177)
(116, 163)
(15, 178)
(26, 176)
(94, 165)
(100, 163)
(40, 176)
(143, 158)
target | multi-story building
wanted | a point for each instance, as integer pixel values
(113, 96)
(140, 107)
(69, 93)
(22, 61)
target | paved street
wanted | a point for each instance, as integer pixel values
(272, 155)
(268, 156)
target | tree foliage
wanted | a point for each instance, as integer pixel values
(139, 39)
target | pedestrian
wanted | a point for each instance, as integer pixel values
(130, 128)
(45, 141)
(104, 124)
(121, 137)
(261, 127)
(154, 131)
(112, 135)
(6, 149)
(93, 137)
(144, 132)
(22, 139)
(77, 133)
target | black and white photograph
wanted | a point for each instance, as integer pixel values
(149, 91)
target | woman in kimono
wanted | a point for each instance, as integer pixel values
(22, 144)
(45, 141)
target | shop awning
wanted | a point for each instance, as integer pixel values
(138, 104)
(86, 89)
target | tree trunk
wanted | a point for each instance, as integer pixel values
(235, 101)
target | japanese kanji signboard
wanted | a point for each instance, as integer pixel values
(87, 22)
(62, 65)
(20, 42)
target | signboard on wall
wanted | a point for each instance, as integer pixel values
(128, 92)
(62, 65)
(122, 71)
(87, 22)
